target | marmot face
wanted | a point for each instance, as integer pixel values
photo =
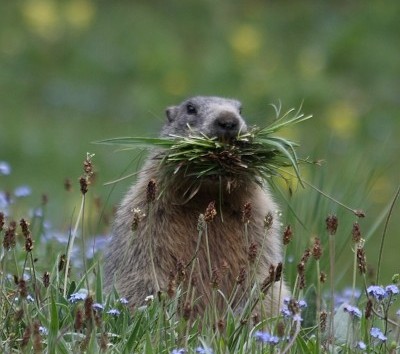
(212, 116)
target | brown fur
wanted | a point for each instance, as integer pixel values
(139, 262)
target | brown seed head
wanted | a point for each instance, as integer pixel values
(26, 336)
(78, 323)
(215, 278)
(246, 213)
(356, 233)
(83, 182)
(23, 291)
(293, 306)
(221, 325)
(46, 279)
(268, 221)
(37, 339)
(317, 249)
(61, 262)
(2, 218)
(278, 272)
(322, 277)
(210, 213)
(252, 252)
(280, 329)
(10, 234)
(361, 260)
(242, 276)
(171, 288)
(88, 309)
(359, 213)
(322, 321)
(287, 235)
(302, 282)
(331, 224)
(306, 255)
(24, 228)
(187, 311)
(151, 191)
(104, 341)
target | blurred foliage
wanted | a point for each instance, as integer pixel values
(77, 71)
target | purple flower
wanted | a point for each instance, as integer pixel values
(377, 333)
(352, 310)
(43, 331)
(123, 301)
(302, 304)
(22, 191)
(114, 312)
(265, 337)
(297, 318)
(98, 307)
(361, 345)
(376, 291)
(392, 289)
(79, 296)
(204, 350)
(179, 351)
(30, 298)
(5, 168)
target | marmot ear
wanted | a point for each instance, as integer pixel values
(171, 113)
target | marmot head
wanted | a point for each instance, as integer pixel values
(212, 116)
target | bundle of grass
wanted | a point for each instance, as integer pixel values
(256, 155)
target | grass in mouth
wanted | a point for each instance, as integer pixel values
(257, 154)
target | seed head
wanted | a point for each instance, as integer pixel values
(246, 213)
(1, 221)
(88, 306)
(210, 213)
(78, 324)
(61, 262)
(359, 213)
(317, 249)
(215, 277)
(37, 339)
(368, 309)
(356, 233)
(322, 277)
(151, 191)
(46, 279)
(221, 325)
(331, 224)
(83, 182)
(26, 336)
(268, 221)
(187, 311)
(287, 235)
(171, 288)
(306, 255)
(361, 260)
(242, 276)
(9, 236)
(23, 291)
(322, 321)
(138, 216)
(252, 253)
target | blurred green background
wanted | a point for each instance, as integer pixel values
(73, 72)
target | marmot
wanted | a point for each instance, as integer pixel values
(149, 242)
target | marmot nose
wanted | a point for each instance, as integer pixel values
(227, 124)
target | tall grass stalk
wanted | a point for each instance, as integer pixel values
(71, 244)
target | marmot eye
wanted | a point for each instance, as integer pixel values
(190, 109)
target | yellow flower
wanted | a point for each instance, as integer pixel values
(246, 41)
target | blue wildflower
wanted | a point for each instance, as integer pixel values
(297, 318)
(5, 168)
(79, 296)
(30, 298)
(377, 333)
(43, 331)
(266, 338)
(204, 350)
(392, 289)
(179, 351)
(98, 307)
(4, 201)
(376, 291)
(352, 310)
(22, 191)
(123, 301)
(361, 345)
(114, 312)
(302, 304)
